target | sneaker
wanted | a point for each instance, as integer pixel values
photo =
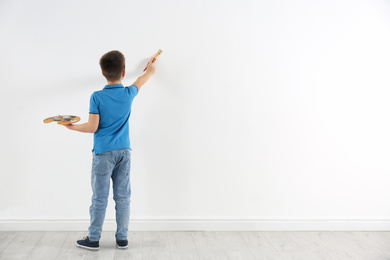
(88, 244)
(122, 244)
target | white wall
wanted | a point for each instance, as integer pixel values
(261, 115)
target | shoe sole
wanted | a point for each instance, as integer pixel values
(122, 247)
(89, 248)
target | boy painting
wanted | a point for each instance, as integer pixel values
(109, 114)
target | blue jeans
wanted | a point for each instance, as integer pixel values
(113, 165)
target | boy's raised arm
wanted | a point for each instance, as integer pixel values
(146, 76)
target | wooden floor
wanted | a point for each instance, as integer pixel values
(295, 245)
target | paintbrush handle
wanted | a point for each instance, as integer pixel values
(152, 61)
(154, 58)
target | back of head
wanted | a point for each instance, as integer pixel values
(112, 64)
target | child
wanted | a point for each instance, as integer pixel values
(109, 114)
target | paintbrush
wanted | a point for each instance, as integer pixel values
(154, 58)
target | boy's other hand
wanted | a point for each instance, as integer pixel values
(69, 126)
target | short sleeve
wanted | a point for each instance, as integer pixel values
(133, 89)
(93, 104)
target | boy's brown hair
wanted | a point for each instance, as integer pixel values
(112, 64)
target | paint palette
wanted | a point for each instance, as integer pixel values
(62, 120)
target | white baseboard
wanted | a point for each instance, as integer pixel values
(201, 225)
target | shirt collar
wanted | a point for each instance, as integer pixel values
(113, 86)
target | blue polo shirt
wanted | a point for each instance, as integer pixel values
(113, 104)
